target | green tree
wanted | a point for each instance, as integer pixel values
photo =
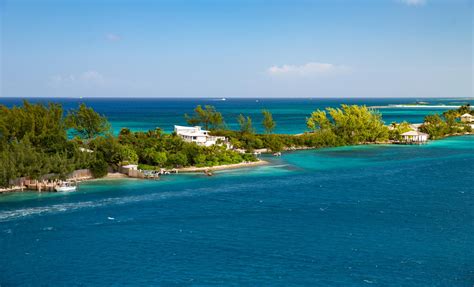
(178, 159)
(348, 125)
(396, 131)
(159, 158)
(87, 123)
(464, 109)
(434, 126)
(208, 117)
(268, 122)
(99, 168)
(274, 143)
(245, 124)
(318, 120)
(128, 155)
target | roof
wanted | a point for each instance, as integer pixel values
(183, 129)
(186, 127)
(193, 134)
(414, 133)
(466, 115)
(130, 166)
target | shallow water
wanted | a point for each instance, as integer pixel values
(289, 114)
(351, 216)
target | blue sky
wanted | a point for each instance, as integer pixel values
(293, 48)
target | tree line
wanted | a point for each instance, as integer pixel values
(38, 140)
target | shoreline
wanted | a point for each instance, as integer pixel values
(118, 175)
(193, 169)
(415, 106)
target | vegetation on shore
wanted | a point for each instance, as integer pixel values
(332, 127)
(438, 126)
(39, 140)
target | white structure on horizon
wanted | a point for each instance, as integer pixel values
(414, 137)
(199, 136)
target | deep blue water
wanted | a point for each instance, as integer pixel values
(351, 216)
(289, 114)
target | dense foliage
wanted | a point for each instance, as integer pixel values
(438, 126)
(154, 148)
(396, 130)
(38, 140)
(344, 126)
(34, 143)
(349, 124)
(86, 123)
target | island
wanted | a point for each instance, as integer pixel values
(43, 146)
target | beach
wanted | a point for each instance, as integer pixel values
(222, 167)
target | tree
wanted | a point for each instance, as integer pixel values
(274, 143)
(208, 117)
(154, 157)
(99, 168)
(464, 109)
(245, 124)
(87, 123)
(348, 125)
(178, 159)
(434, 126)
(268, 122)
(357, 124)
(396, 131)
(318, 120)
(128, 155)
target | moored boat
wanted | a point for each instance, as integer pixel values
(66, 187)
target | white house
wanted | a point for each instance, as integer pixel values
(467, 118)
(414, 137)
(199, 136)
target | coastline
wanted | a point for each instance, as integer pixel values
(192, 169)
(118, 175)
(415, 106)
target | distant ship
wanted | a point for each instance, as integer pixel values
(223, 99)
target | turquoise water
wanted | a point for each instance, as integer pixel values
(289, 114)
(351, 216)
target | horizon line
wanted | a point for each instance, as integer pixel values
(223, 98)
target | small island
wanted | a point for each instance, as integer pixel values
(41, 146)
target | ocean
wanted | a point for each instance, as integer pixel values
(290, 114)
(384, 215)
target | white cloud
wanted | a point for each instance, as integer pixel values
(413, 2)
(92, 76)
(88, 78)
(112, 37)
(311, 68)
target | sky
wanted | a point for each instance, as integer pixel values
(236, 48)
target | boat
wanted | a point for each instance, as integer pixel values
(66, 187)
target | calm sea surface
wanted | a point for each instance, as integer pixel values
(351, 216)
(289, 114)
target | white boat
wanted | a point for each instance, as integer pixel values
(66, 187)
